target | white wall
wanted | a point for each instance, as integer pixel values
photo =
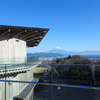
(14, 89)
(12, 50)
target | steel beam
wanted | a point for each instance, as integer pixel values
(33, 41)
(39, 37)
(32, 35)
(5, 32)
(18, 34)
(28, 34)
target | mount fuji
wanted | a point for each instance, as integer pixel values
(60, 50)
(57, 51)
(67, 52)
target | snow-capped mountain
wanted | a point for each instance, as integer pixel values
(62, 51)
(57, 51)
(58, 48)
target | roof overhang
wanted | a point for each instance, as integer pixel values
(31, 35)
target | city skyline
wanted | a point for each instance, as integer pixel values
(74, 24)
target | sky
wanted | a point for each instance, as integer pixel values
(74, 24)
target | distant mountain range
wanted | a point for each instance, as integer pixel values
(44, 55)
(59, 52)
(66, 52)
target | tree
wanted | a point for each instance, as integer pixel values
(69, 57)
(57, 60)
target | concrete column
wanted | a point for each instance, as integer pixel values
(12, 51)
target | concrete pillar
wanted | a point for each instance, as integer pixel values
(12, 50)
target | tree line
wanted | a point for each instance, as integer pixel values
(78, 68)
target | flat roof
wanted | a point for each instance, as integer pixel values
(31, 35)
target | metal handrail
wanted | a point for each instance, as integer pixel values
(53, 84)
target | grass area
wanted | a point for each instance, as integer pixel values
(40, 69)
(38, 75)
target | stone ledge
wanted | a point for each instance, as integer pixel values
(26, 91)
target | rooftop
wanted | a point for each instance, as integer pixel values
(31, 35)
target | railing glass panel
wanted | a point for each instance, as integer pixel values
(36, 81)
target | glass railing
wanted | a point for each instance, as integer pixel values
(50, 82)
(12, 60)
(18, 65)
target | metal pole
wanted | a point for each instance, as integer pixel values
(5, 81)
(52, 81)
(93, 74)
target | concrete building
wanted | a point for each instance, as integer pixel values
(13, 43)
(14, 40)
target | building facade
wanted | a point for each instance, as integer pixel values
(13, 43)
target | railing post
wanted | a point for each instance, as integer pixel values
(93, 73)
(52, 80)
(5, 81)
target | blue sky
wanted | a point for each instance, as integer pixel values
(74, 24)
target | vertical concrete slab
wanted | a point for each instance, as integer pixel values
(12, 51)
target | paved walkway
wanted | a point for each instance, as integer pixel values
(64, 93)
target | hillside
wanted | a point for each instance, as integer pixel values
(44, 55)
(67, 52)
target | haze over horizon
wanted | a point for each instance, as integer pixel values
(74, 24)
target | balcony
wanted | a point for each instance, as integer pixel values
(35, 81)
